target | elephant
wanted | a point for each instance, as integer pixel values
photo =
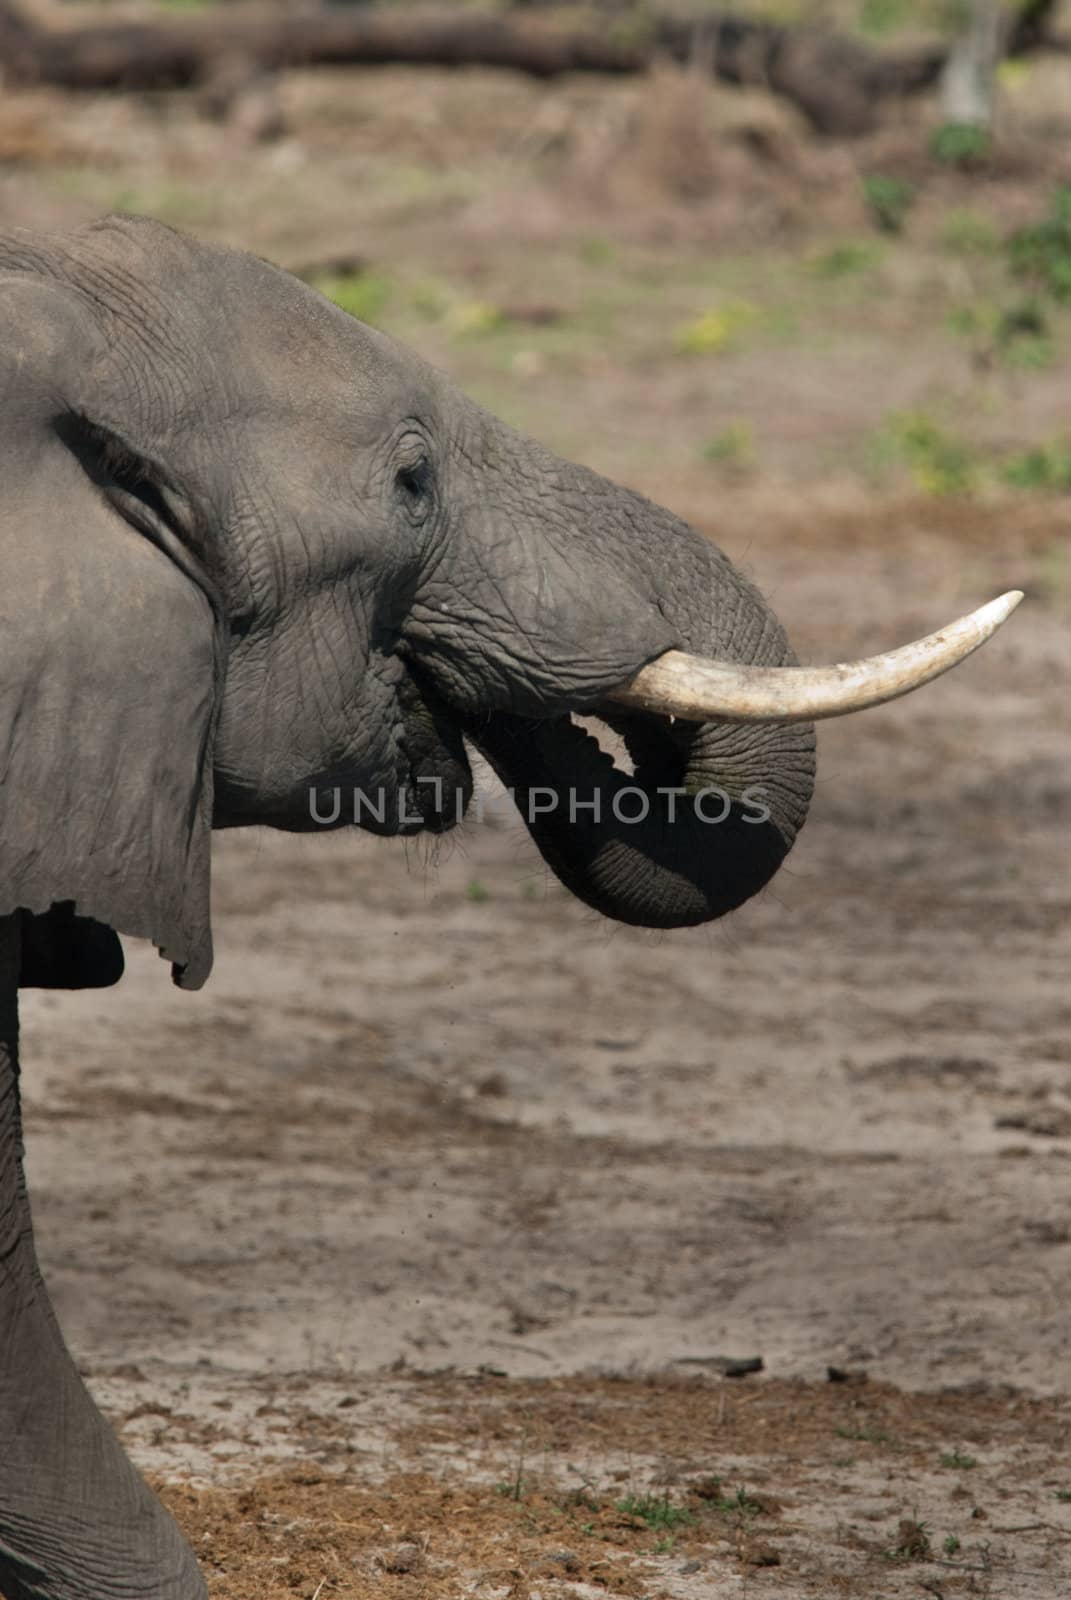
(255, 554)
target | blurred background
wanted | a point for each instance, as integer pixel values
(799, 245)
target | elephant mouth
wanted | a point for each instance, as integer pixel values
(435, 778)
(413, 778)
(429, 781)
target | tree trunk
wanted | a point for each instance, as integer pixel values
(968, 81)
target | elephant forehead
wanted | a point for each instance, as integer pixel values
(231, 334)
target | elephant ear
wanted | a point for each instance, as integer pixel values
(110, 660)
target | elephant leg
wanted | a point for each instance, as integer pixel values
(76, 1521)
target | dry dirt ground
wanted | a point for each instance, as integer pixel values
(412, 1255)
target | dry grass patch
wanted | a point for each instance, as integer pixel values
(648, 1486)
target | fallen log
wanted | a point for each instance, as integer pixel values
(838, 83)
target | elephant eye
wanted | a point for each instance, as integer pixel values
(414, 479)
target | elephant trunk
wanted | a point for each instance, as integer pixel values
(703, 822)
(564, 593)
(560, 588)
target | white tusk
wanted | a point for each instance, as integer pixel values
(699, 690)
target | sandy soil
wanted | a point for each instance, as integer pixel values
(415, 1247)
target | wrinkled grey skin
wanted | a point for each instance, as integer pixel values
(251, 549)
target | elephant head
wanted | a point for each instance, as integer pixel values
(254, 554)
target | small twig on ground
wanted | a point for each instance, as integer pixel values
(1032, 1527)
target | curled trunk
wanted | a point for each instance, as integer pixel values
(703, 822)
(561, 587)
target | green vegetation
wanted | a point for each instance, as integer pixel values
(950, 1544)
(365, 295)
(969, 233)
(717, 329)
(879, 17)
(1041, 252)
(1017, 335)
(959, 1460)
(1028, 352)
(733, 449)
(515, 1487)
(865, 1435)
(940, 462)
(979, 318)
(653, 1512)
(471, 319)
(1045, 467)
(960, 144)
(739, 1503)
(596, 252)
(913, 1541)
(1014, 329)
(656, 1511)
(477, 892)
(844, 259)
(943, 463)
(888, 200)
